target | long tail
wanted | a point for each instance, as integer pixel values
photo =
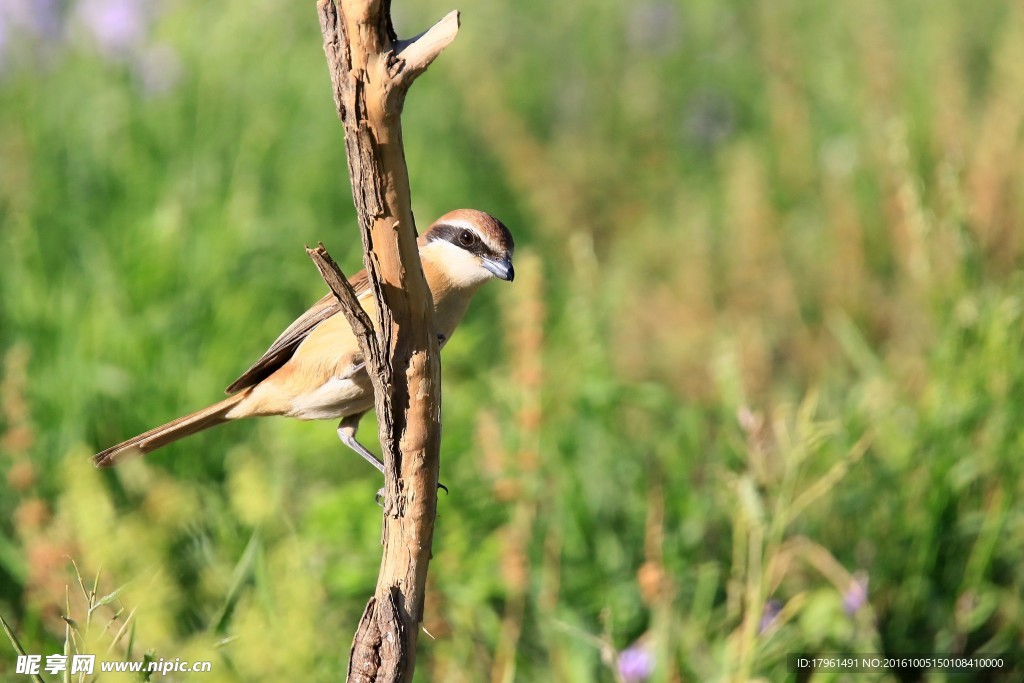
(158, 437)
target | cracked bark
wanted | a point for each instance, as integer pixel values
(371, 71)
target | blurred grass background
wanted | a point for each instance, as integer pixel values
(757, 388)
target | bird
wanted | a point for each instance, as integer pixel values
(315, 369)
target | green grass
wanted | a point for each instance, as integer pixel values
(765, 339)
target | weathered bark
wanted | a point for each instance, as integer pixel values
(371, 71)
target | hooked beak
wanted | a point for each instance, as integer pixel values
(500, 268)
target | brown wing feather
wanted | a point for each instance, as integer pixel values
(284, 346)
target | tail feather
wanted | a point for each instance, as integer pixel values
(158, 437)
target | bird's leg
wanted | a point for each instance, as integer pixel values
(347, 429)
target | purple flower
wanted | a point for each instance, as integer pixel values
(856, 595)
(118, 26)
(38, 21)
(769, 615)
(35, 17)
(709, 118)
(636, 664)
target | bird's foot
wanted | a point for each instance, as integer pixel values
(379, 496)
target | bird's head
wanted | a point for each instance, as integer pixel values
(470, 247)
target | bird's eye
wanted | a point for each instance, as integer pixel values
(466, 238)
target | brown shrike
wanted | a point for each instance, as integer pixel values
(315, 369)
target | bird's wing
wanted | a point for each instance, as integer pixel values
(284, 346)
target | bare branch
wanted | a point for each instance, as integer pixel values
(371, 71)
(347, 299)
(417, 54)
(339, 63)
